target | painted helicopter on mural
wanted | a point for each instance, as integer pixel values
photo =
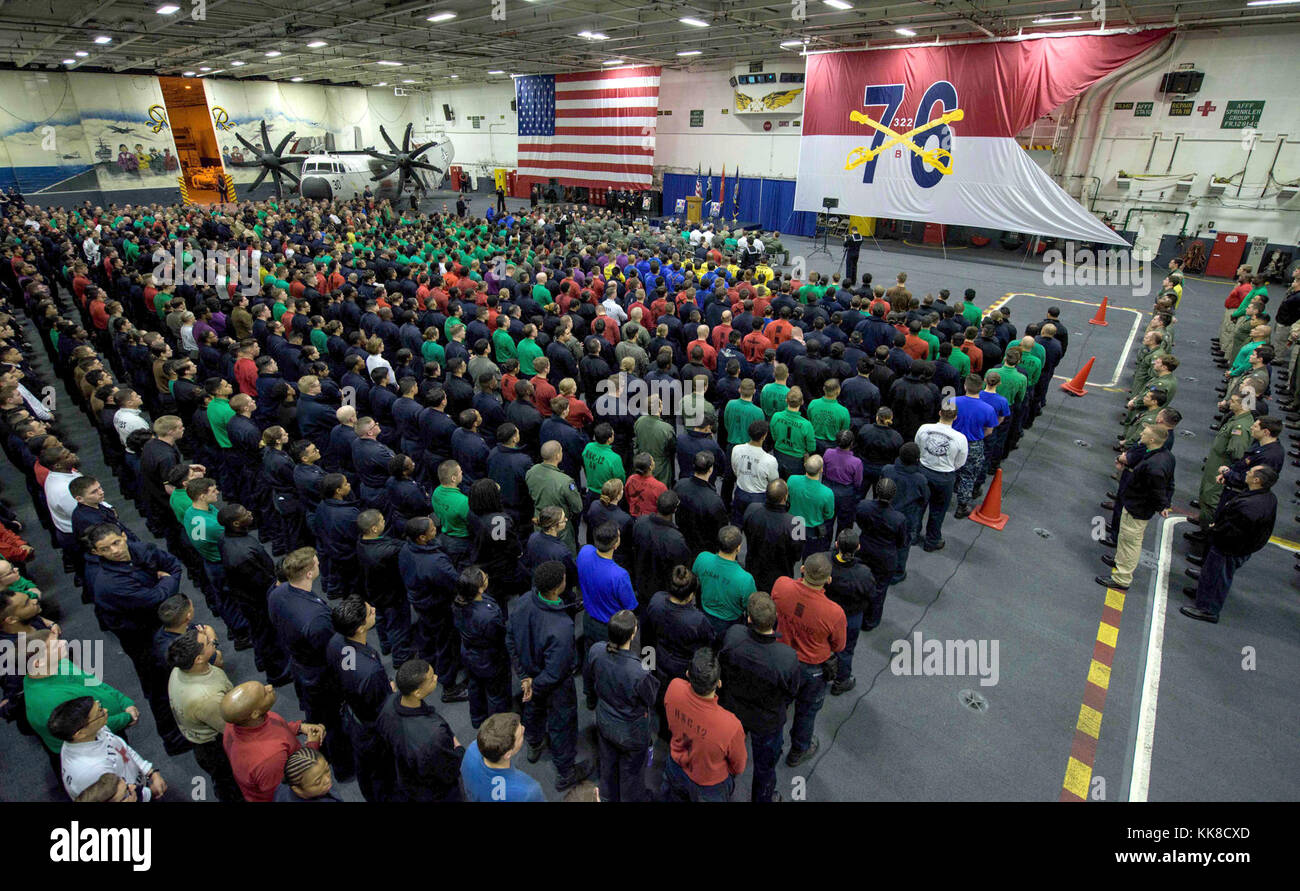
(344, 175)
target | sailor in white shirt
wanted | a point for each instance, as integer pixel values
(613, 310)
(707, 236)
(34, 405)
(943, 452)
(91, 750)
(57, 496)
(129, 417)
(91, 249)
(755, 470)
(696, 236)
(742, 244)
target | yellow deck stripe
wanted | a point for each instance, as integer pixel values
(1099, 675)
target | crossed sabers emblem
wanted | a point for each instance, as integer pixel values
(938, 158)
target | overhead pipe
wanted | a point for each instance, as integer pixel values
(1139, 72)
(1182, 213)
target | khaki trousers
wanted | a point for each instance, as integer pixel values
(1128, 547)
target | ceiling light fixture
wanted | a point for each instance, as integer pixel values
(694, 23)
(789, 43)
(442, 17)
(906, 32)
(496, 71)
(1270, 2)
(69, 61)
(273, 53)
(382, 83)
(612, 62)
(453, 76)
(390, 64)
(1056, 20)
(187, 74)
(408, 81)
(593, 35)
(103, 39)
(237, 62)
(839, 4)
(81, 54)
(296, 80)
(689, 53)
(205, 67)
(317, 44)
(168, 9)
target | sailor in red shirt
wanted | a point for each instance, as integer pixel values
(815, 626)
(702, 340)
(258, 741)
(782, 329)
(707, 751)
(718, 339)
(246, 368)
(755, 343)
(579, 417)
(543, 392)
(914, 346)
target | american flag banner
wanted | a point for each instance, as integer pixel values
(594, 128)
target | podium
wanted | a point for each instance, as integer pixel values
(693, 205)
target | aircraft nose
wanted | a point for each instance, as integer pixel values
(316, 188)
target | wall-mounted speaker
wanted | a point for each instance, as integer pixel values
(447, 112)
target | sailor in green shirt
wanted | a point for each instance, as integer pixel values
(1153, 401)
(1259, 335)
(814, 502)
(450, 504)
(929, 337)
(179, 503)
(220, 413)
(792, 435)
(1031, 366)
(1230, 443)
(772, 398)
(541, 293)
(827, 416)
(600, 461)
(725, 586)
(953, 355)
(503, 345)
(658, 439)
(200, 523)
(1013, 385)
(527, 351)
(53, 679)
(431, 350)
(740, 413)
(970, 310)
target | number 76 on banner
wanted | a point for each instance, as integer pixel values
(929, 165)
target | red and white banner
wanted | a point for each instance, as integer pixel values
(927, 133)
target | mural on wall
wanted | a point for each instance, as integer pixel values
(127, 133)
(41, 139)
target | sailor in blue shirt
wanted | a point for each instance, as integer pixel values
(606, 586)
(302, 624)
(482, 628)
(430, 585)
(625, 692)
(335, 527)
(359, 671)
(539, 636)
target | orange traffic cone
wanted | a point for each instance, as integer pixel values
(1100, 317)
(990, 512)
(1074, 386)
